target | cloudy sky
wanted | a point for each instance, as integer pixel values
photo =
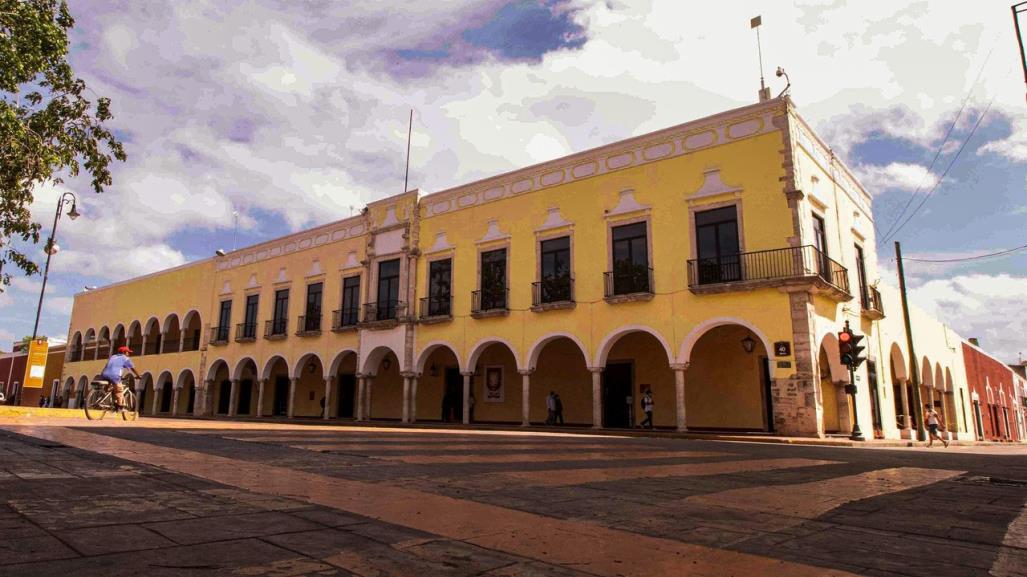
(294, 113)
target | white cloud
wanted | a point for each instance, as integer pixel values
(124, 263)
(895, 176)
(6, 338)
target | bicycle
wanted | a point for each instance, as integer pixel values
(101, 401)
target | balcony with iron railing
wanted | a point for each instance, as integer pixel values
(345, 319)
(796, 265)
(191, 343)
(171, 343)
(555, 292)
(872, 307)
(490, 302)
(308, 325)
(628, 282)
(152, 347)
(383, 313)
(246, 332)
(218, 336)
(436, 309)
(276, 329)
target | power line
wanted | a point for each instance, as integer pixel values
(941, 178)
(941, 146)
(969, 258)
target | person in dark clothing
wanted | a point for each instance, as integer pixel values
(557, 410)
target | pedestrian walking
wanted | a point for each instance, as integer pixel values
(557, 410)
(470, 407)
(42, 401)
(932, 419)
(550, 407)
(60, 401)
(647, 408)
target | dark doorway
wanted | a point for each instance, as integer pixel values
(165, 398)
(224, 397)
(191, 405)
(617, 399)
(453, 397)
(245, 395)
(347, 395)
(141, 402)
(280, 407)
(768, 393)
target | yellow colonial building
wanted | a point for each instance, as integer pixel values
(711, 263)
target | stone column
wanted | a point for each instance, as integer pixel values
(597, 397)
(945, 416)
(261, 385)
(233, 399)
(467, 397)
(525, 398)
(406, 399)
(413, 399)
(361, 391)
(368, 389)
(142, 347)
(906, 421)
(679, 395)
(174, 401)
(329, 381)
(293, 383)
(157, 394)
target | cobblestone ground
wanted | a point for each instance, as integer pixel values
(164, 497)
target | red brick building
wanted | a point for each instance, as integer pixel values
(993, 399)
(12, 373)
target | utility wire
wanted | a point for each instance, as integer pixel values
(941, 146)
(941, 178)
(969, 258)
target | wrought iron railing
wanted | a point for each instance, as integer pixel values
(489, 300)
(436, 307)
(153, 347)
(103, 349)
(276, 328)
(345, 318)
(775, 264)
(628, 279)
(218, 336)
(308, 324)
(551, 290)
(191, 343)
(246, 332)
(872, 300)
(383, 311)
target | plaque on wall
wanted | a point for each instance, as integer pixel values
(782, 349)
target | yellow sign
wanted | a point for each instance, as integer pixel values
(36, 365)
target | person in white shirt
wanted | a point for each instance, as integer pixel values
(550, 407)
(933, 420)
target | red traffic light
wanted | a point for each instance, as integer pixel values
(844, 337)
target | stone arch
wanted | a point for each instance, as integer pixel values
(685, 352)
(479, 348)
(899, 365)
(536, 349)
(80, 391)
(66, 391)
(118, 337)
(212, 372)
(277, 384)
(309, 388)
(344, 368)
(135, 336)
(340, 357)
(75, 348)
(926, 374)
(375, 357)
(186, 385)
(103, 343)
(305, 358)
(163, 392)
(611, 339)
(171, 334)
(426, 352)
(939, 377)
(237, 373)
(837, 371)
(725, 385)
(191, 328)
(152, 335)
(265, 373)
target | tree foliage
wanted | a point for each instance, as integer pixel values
(48, 128)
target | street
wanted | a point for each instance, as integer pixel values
(190, 497)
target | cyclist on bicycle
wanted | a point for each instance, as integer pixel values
(112, 372)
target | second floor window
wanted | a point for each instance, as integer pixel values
(224, 320)
(861, 272)
(630, 259)
(388, 289)
(350, 301)
(281, 312)
(820, 243)
(312, 316)
(555, 281)
(250, 321)
(440, 282)
(717, 246)
(493, 280)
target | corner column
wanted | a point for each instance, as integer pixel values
(293, 382)
(597, 396)
(361, 386)
(525, 398)
(906, 420)
(233, 399)
(174, 401)
(413, 398)
(261, 385)
(467, 398)
(329, 381)
(679, 395)
(406, 396)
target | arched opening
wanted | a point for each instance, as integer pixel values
(64, 398)
(135, 337)
(837, 410)
(191, 331)
(220, 388)
(103, 344)
(638, 360)
(898, 371)
(247, 396)
(385, 388)
(186, 393)
(440, 388)
(495, 386)
(309, 398)
(560, 368)
(276, 391)
(957, 425)
(165, 393)
(151, 334)
(727, 384)
(926, 385)
(344, 395)
(172, 334)
(80, 391)
(89, 346)
(75, 348)
(118, 337)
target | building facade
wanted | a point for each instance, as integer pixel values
(712, 263)
(12, 374)
(993, 395)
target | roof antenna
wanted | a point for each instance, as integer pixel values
(756, 22)
(410, 129)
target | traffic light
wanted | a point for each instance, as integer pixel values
(849, 348)
(856, 349)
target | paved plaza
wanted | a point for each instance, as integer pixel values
(177, 497)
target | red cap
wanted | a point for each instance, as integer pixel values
(124, 350)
